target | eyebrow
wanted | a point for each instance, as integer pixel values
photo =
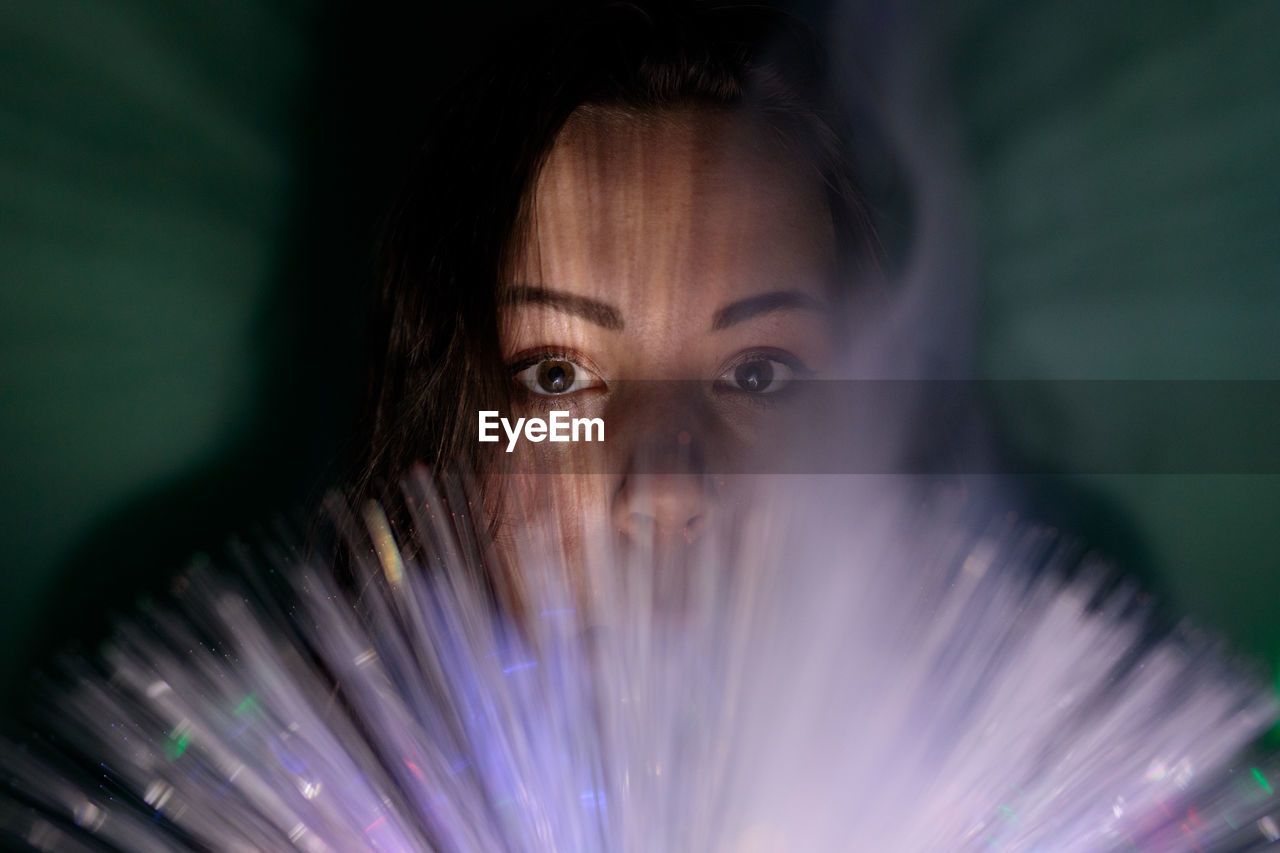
(592, 310)
(753, 306)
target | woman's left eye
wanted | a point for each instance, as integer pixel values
(758, 376)
(556, 377)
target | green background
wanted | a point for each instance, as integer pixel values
(187, 192)
(1127, 178)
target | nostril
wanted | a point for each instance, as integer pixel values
(693, 527)
(637, 525)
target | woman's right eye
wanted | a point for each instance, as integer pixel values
(556, 377)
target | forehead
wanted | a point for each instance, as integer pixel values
(673, 208)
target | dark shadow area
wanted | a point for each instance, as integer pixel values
(369, 99)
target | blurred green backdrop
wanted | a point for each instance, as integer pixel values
(1126, 163)
(188, 192)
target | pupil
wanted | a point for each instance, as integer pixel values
(555, 376)
(754, 376)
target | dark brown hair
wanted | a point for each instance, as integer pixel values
(436, 359)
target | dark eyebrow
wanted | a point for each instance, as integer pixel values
(600, 313)
(779, 300)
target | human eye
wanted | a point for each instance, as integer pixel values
(553, 375)
(762, 373)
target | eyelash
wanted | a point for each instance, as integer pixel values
(529, 358)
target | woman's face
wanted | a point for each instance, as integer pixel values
(672, 278)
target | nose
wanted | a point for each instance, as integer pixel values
(665, 450)
(662, 507)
